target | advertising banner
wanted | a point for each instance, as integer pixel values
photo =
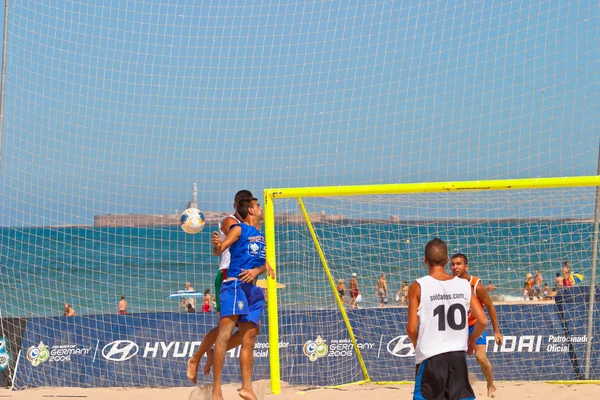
(10, 343)
(315, 347)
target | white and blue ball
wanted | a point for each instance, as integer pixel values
(192, 221)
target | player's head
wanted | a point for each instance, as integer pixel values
(242, 195)
(250, 207)
(460, 264)
(436, 253)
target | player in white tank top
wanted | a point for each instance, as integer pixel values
(442, 317)
(225, 256)
(438, 329)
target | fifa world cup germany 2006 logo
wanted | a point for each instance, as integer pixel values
(38, 354)
(315, 349)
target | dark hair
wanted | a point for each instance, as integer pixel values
(123, 297)
(565, 263)
(189, 306)
(558, 274)
(436, 253)
(461, 255)
(207, 291)
(244, 206)
(242, 195)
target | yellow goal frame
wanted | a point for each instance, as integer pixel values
(360, 190)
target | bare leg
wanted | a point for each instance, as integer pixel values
(226, 326)
(248, 332)
(205, 347)
(234, 341)
(486, 368)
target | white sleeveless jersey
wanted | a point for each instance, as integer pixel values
(225, 256)
(442, 317)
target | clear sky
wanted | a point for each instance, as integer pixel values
(120, 107)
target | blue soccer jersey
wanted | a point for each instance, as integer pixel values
(248, 251)
(238, 298)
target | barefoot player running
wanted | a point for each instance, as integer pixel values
(460, 267)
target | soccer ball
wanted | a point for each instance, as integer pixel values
(192, 220)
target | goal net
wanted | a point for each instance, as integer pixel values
(323, 242)
(115, 116)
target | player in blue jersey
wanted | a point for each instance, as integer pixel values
(210, 337)
(242, 303)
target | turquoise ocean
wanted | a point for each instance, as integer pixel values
(90, 268)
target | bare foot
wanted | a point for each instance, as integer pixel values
(209, 361)
(217, 394)
(247, 394)
(491, 391)
(192, 370)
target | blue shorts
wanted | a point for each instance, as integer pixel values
(243, 299)
(481, 339)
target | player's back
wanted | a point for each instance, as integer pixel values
(442, 317)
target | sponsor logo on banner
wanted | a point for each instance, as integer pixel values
(120, 350)
(318, 348)
(4, 354)
(315, 349)
(262, 349)
(60, 353)
(401, 346)
(535, 343)
(124, 350)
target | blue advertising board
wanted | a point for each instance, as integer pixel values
(573, 306)
(541, 342)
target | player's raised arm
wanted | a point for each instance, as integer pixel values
(232, 236)
(480, 323)
(412, 326)
(487, 302)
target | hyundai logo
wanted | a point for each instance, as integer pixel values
(120, 350)
(401, 346)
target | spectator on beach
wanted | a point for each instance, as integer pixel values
(566, 268)
(546, 292)
(490, 287)
(537, 285)
(341, 289)
(402, 294)
(206, 302)
(69, 311)
(188, 300)
(567, 280)
(552, 294)
(381, 290)
(354, 291)
(190, 309)
(529, 283)
(122, 308)
(558, 281)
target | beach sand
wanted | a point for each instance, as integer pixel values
(506, 390)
